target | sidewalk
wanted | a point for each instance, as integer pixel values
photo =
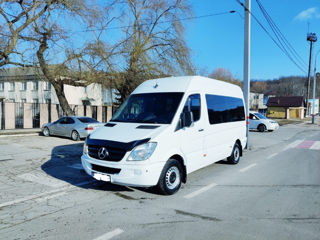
(20, 131)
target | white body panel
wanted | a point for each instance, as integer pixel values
(199, 145)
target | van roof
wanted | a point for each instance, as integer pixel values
(189, 84)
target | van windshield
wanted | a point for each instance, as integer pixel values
(149, 108)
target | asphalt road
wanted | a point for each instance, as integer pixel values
(273, 193)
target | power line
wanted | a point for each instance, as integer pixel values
(272, 38)
(278, 32)
(161, 22)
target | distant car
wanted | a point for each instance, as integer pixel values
(259, 122)
(73, 127)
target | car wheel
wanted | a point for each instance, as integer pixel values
(235, 155)
(170, 178)
(75, 135)
(262, 128)
(46, 132)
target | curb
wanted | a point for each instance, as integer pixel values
(19, 132)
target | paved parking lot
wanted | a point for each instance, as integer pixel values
(273, 193)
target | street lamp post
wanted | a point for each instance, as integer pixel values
(314, 86)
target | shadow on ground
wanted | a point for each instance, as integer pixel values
(65, 165)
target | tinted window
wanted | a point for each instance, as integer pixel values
(149, 108)
(69, 121)
(222, 109)
(194, 101)
(87, 120)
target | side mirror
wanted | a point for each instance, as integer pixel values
(186, 119)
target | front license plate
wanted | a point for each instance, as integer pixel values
(102, 177)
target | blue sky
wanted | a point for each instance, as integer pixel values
(217, 41)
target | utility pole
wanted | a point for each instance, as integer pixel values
(312, 37)
(314, 86)
(246, 63)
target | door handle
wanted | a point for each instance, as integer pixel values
(201, 130)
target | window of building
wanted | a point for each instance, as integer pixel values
(23, 86)
(48, 101)
(11, 100)
(193, 102)
(222, 109)
(47, 86)
(11, 86)
(35, 100)
(23, 100)
(35, 85)
(1, 86)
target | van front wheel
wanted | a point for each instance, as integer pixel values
(170, 178)
(235, 155)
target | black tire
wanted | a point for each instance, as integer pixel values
(75, 135)
(170, 178)
(262, 128)
(235, 155)
(46, 132)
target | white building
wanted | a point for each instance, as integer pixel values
(27, 85)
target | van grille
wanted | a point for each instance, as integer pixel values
(115, 154)
(103, 169)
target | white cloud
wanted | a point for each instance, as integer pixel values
(308, 14)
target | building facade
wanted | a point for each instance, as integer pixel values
(28, 85)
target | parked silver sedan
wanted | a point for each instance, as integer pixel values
(74, 127)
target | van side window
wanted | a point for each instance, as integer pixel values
(222, 109)
(195, 106)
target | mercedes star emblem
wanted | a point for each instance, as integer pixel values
(103, 153)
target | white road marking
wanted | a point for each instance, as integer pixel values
(272, 155)
(43, 179)
(50, 197)
(20, 200)
(294, 144)
(201, 190)
(316, 145)
(110, 235)
(248, 167)
(76, 166)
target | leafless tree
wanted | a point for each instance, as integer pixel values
(15, 18)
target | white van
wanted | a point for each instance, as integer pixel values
(166, 129)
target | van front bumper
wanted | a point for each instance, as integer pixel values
(136, 174)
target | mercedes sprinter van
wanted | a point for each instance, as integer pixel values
(166, 129)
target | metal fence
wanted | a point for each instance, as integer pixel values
(19, 111)
(27, 115)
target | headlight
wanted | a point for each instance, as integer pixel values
(85, 148)
(142, 152)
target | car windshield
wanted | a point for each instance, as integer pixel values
(149, 108)
(259, 115)
(87, 120)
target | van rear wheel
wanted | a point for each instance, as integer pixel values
(235, 155)
(170, 178)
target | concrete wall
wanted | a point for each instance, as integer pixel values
(10, 120)
(27, 115)
(9, 114)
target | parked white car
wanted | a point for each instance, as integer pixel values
(261, 123)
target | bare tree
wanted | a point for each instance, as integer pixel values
(224, 75)
(152, 44)
(15, 18)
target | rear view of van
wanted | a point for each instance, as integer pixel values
(166, 129)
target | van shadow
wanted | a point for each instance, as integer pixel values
(65, 165)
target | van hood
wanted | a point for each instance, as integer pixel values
(127, 132)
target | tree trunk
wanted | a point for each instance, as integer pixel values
(51, 77)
